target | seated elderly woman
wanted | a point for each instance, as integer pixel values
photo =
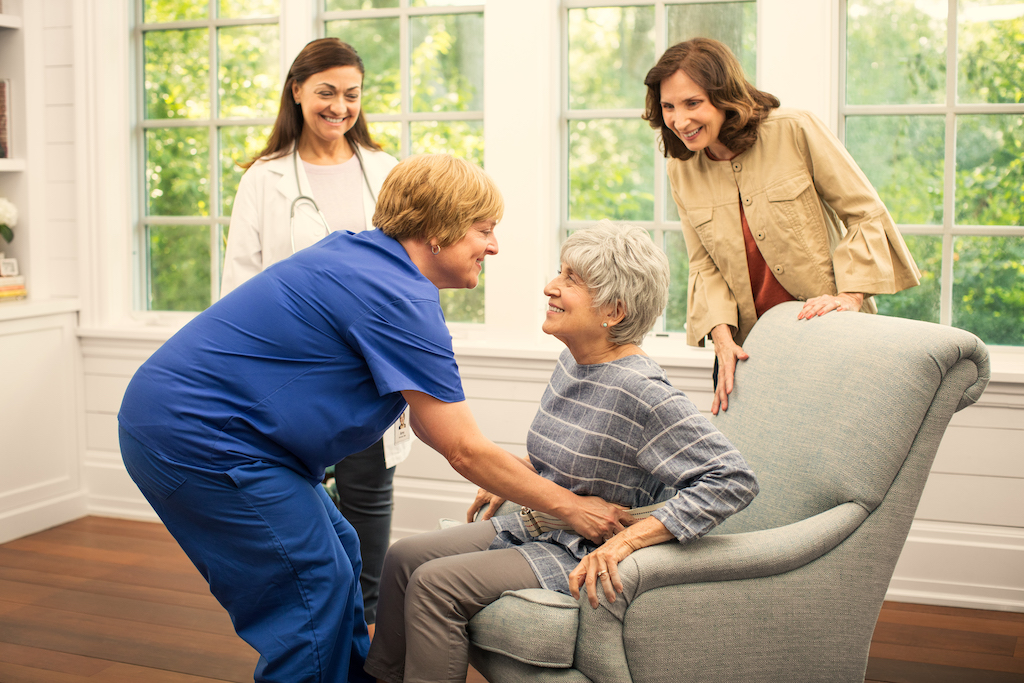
(609, 425)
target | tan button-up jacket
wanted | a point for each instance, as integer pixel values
(816, 219)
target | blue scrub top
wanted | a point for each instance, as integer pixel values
(301, 365)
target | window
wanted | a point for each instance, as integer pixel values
(612, 161)
(210, 81)
(934, 114)
(423, 90)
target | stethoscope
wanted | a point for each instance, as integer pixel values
(307, 198)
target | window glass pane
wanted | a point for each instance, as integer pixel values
(177, 172)
(376, 41)
(179, 267)
(611, 49)
(177, 69)
(388, 134)
(249, 75)
(675, 314)
(445, 3)
(733, 23)
(334, 5)
(237, 9)
(990, 169)
(157, 11)
(903, 158)
(464, 305)
(988, 288)
(447, 69)
(896, 51)
(990, 51)
(238, 144)
(464, 139)
(921, 302)
(611, 170)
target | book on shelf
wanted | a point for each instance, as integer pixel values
(12, 288)
(5, 118)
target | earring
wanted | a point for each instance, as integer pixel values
(604, 324)
(435, 249)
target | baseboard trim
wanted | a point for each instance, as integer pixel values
(31, 519)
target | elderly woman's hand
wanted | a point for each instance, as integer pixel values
(484, 499)
(603, 564)
(820, 305)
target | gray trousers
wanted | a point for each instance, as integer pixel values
(432, 585)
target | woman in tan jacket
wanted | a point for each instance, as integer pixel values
(773, 207)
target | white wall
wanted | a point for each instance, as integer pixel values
(967, 545)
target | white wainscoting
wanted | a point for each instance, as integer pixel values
(39, 421)
(966, 547)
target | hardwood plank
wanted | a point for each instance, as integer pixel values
(181, 580)
(128, 673)
(112, 588)
(952, 658)
(954, 611)
(944, 638)
(126, 528)
(131, 609)
(84, 546)
(966, 621)
(159, 647)
(896, 671)
(49, 660)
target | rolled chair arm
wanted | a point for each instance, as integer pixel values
(729, 557)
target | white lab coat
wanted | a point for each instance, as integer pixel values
(260, 235)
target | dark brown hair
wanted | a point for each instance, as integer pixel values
(712, 66)
(318, 55)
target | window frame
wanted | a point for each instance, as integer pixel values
(660, 225)
(404, 12)
(949, 109)
(215, 222)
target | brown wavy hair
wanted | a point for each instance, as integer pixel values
(712, 66)
(318, 56)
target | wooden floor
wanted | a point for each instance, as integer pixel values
(112, 601)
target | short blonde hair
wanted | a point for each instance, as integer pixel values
(620, 263)
(436, 197)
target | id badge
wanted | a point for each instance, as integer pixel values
(402, 429)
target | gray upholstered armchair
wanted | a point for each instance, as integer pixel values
(840, 418)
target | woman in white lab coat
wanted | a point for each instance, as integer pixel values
(319, 173)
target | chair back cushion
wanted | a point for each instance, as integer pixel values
(825, 410)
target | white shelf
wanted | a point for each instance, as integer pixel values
(10, 21)
(12, 165)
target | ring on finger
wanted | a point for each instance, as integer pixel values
(602, 573)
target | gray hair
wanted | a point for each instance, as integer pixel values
(620, 263)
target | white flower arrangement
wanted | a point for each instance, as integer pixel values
(8, 219)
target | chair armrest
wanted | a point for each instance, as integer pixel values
(729, 557)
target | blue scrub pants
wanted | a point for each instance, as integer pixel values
(277, 554)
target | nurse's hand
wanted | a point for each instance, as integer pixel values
(484, 499)
(598, 520)
(820, 305)
(728, 353)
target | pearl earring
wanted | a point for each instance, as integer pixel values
(604, 324)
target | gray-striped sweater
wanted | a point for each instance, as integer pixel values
(620, 431)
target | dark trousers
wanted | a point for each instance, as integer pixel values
(365, 493)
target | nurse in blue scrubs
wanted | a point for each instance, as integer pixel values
(228, 427)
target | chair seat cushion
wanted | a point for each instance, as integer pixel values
(533, 626)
